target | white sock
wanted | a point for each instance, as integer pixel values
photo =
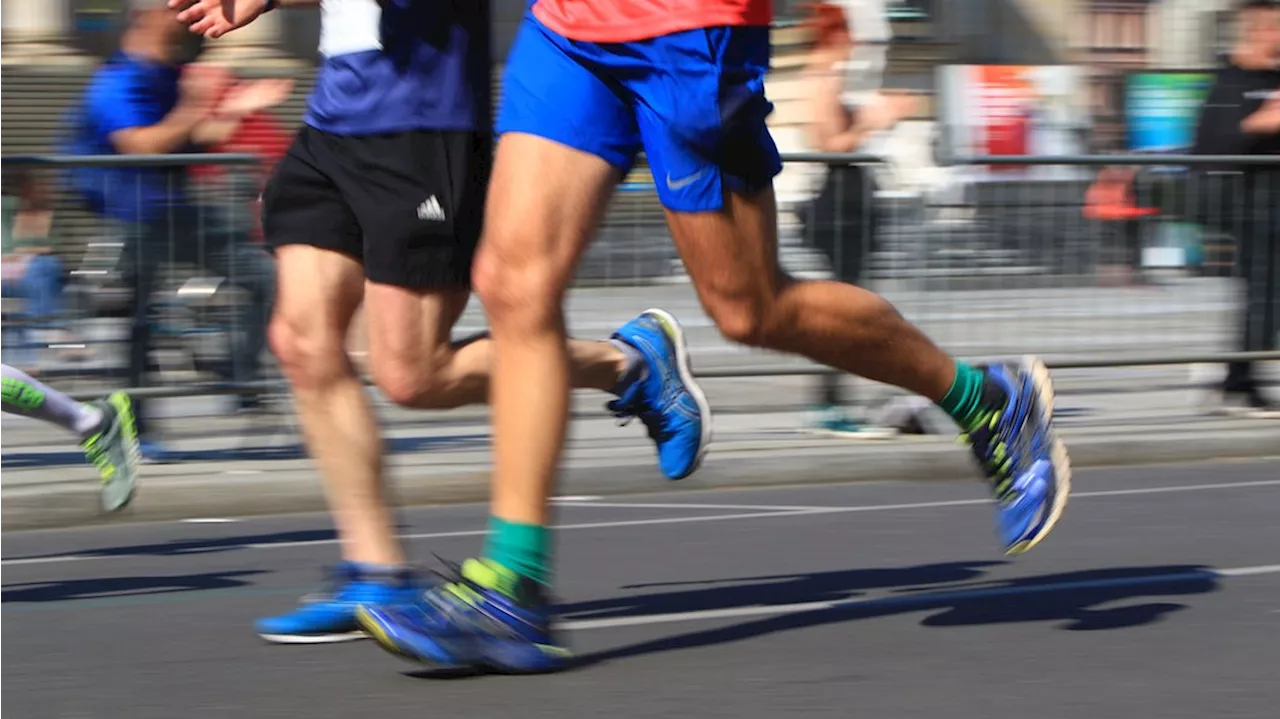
(27, 396)
(636, 370)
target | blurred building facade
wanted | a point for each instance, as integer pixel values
(50, 46)
(1110, 38)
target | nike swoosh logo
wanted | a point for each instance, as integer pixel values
(684, 181)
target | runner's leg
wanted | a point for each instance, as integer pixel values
(715, 160)
(29, 397)
(569, 137)
(732, 256)
(416, 364)
(106, 429)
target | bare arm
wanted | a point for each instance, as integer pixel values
(241, 101)
(832, 126)
(1266, 121)
(215, 18)
(162, 138)
(215, 131)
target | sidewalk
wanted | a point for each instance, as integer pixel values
(233, 466)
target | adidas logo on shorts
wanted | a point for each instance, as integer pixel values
(431, 210)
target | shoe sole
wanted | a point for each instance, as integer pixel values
(685, 368)
(1061, 462)
(313, 638)
(385, 641)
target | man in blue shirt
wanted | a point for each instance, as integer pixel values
(143, 102)
(380, 200)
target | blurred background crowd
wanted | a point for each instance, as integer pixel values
(151, 274)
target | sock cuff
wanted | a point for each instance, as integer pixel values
(636, 366)
(522, 548)
(963, 402)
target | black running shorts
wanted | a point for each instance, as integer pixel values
(408, 205)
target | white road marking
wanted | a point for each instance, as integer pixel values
(1249, 571)
(1182, 488)
(678, 505)
(559, 527)
(208, 520)
(575, 498)
(922, 599)
(656, 521)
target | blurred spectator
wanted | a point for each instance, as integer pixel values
(33, 274)
(1112, 200)
(842, 223)
(1241, 116)
(147, 100)
(259, 133)
(867, 23)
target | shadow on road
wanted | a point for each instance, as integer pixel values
(1075, 601)
(202, 545)
(113, 587)
(701, 596)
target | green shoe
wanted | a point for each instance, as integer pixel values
(113, 451)
(835, 422)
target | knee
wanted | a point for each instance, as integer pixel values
(310, 354)
(745, 323)
(410, 381)
(747, 318)
(522, 287)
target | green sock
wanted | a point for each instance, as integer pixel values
(523, 548)
(963, 402)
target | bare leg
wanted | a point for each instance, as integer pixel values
(415, 363)
(732, 257)
(412, 360)
(319, 292)
(534, 234)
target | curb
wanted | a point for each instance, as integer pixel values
(171, 497)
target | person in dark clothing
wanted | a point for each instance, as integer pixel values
(1241, 116)
(841, 222)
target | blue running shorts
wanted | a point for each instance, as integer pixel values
(693, 100)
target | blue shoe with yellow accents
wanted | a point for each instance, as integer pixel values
(665, 395)
(331, 616)
(484, 618)
(1026, 463)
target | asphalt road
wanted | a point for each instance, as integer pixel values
(1159, 596)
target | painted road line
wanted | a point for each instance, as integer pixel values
(696, 519)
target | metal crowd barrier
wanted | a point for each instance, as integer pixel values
(193, 259)
(992, 256)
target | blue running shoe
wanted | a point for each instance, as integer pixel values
(331, 617)
(485, 618)
(665, 396)
(1026, 463)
